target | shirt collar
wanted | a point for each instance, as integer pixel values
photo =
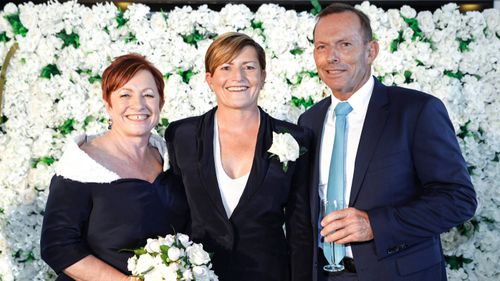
(358, 101)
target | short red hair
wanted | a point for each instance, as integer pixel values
(123, 68)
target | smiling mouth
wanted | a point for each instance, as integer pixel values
(334, 71)
(237, 88)
(137, 117)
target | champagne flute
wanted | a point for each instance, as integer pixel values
(326, 208)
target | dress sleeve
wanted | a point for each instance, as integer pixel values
(63, 240)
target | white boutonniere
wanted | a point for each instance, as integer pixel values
(286, 148)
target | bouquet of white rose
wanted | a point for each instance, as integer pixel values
(171, 258)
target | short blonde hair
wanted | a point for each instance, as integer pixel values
(227, 46)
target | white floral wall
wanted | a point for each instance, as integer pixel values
(52, 91)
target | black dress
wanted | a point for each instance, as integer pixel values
(103, 219)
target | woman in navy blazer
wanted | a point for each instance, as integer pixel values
(239, 193)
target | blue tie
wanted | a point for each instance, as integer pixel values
(336, 176)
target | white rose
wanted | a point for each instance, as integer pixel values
(132, 264)
(152, 246)
(187, 275)
(10, 8)
(197, 255)
(168, 240)
(184, 239)
(201, 273)
(144, 263)
(174, 253)
(285, 147)
(426, 22)
(408, 12)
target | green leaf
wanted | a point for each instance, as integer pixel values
(69, 39)
(167, 75)
(417, 32)
(87, 121)
(120, 19)
(50, 70)
(407, 75)
(256, 24)
(3, 37)
(130, 38)
(468, 228)
(17, 27)
(316, 7)
(395, 43)
(302, 102)
(185, 74)
(2, 211)
(419, 63)
(193, 38)
(463, 131)
(24, 257)
(464, 45)
(140, 251)
(470, 170)
(162, 126)
(95, 78)
(458, 75)
(456, 262)
(47, 160)
(67, 127)
(164, 248)
(297, 51)
(381, 78)
(496, 158)
(3, 119)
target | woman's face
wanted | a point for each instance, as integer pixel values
(135, 107)
(237, 83)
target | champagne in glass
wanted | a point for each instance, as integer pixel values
(326, 207)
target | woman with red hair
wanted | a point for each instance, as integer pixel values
(113, 191)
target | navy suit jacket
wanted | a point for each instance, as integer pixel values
(409, 176)
(251, 244)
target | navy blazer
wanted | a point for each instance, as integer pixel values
(251, 244)
(409, 176)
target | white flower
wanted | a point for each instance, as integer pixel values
(201, 273)
(184, 239)
(197, 255)
(174, 253)
(10, 8)
(187, 275)
(144, 263)
(152, 246)
(285, 147)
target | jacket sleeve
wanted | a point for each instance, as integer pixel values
(447, 197)
(63, 239)
(298, 223)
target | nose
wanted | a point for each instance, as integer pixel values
(333, 56)
(138, 102)
(237, 74)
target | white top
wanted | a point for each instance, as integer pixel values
(230, 189)
(77, 165)
(355, 120)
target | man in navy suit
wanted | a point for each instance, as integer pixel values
(405, 178)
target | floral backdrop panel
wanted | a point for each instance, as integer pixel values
(54, 54)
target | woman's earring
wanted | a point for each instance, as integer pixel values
(110, 124)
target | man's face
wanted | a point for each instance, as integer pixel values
(342, 55)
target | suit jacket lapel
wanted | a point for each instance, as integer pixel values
(260, 163)
(373, 127)
(206, 165)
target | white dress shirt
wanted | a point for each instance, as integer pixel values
(230, 189)
(355, 120)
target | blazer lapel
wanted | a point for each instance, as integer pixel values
(375, 121)
(206, 165)
(260, 163)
